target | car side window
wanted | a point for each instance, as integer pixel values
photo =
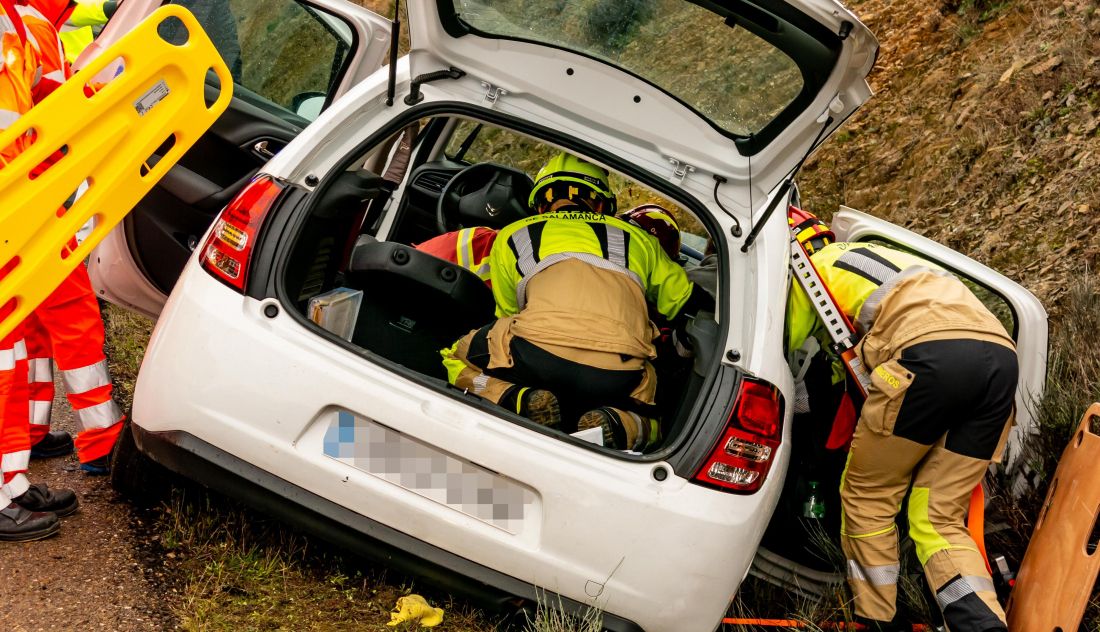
(283, 53)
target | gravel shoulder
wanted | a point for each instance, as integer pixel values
(102, 572)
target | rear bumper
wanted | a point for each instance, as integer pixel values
(193, 458)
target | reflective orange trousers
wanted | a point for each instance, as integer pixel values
(68, 327)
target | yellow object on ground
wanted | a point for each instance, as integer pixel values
(112, 139)
(416, 608)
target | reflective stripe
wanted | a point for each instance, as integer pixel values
(480, 382)
(8, 357)
(27, 10)
(464, 247)
(16, 462)
(483, 271)
(39, 370)
(56, 75)
(616, 247)
(18, 485)
(8, 118)
(102, 415)
(961, 587)
(868, 535)
(873, 268)
(86, 378)
(586, 257)
(885, 575)
(525, 253)
(40, 412)
(869, 311)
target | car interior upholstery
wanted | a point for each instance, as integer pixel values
(415, 304)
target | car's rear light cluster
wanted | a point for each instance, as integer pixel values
(228, 249)
(741, 459)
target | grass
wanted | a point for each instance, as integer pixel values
(1073, 382)
(245, 571)
(237, 569)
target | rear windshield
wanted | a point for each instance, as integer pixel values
(708, 59)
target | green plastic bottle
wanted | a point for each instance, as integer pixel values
(813, 508)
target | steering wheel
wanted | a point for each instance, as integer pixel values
(485, 194)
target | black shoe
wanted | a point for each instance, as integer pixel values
(539, 406)
(97, 467)
(56, 443)
(41, 498)
(22, 525)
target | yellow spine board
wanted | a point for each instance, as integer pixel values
(107, 139)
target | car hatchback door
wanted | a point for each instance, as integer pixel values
(289, 60)
(1018, 310)
(739, 89)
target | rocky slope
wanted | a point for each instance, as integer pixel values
(983, 134)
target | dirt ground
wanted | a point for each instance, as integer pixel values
(101, 572)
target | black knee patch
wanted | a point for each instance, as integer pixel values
(965, 611)
(478, 354)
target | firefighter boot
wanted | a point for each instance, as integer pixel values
(41, 498)
(56, 443)
(540, 406)
(18, 524)
(623, 430)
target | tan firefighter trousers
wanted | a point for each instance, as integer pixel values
(937, 414)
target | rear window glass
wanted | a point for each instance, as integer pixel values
(737, 80)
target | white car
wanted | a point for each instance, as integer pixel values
(707, 107)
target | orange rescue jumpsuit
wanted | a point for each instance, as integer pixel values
(68, 321)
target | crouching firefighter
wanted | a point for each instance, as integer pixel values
(941, 376)
(573, 343)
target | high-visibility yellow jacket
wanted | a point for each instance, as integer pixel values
(577, 279)
(893, 298)
(852, 272)
(77, 33)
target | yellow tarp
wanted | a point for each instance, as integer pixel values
(107, 138)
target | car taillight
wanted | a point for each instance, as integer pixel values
(741, 459)
(227, 250)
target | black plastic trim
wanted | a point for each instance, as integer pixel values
(213, 467)
(267, 243)
(273, 288)
(702, 437)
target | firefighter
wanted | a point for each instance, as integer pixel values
(573, 342)
(33, 67)
(943, 372)
(468, 247)
(659, 222)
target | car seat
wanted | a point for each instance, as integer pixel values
(414, 304)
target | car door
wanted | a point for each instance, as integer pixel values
(289, 60)
(1022, 314)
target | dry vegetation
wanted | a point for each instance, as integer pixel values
(984, 134)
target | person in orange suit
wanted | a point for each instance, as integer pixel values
(33, 66)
